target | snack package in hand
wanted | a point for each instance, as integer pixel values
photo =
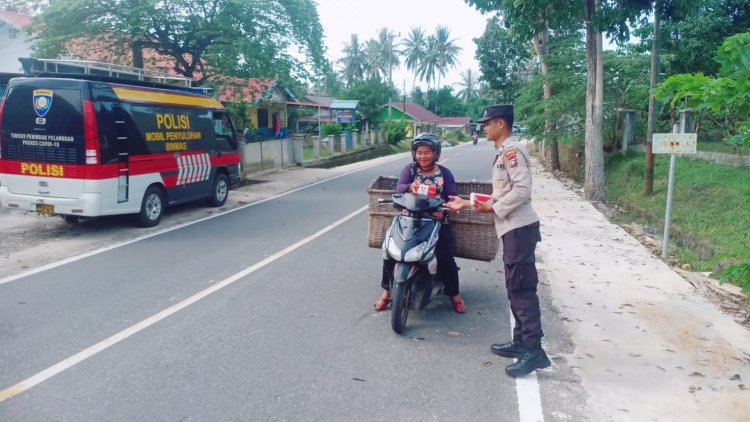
(428, 190)
(474, 197)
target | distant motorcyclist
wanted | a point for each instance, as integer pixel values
(474, 137)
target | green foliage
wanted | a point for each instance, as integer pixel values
(238, 38)
(334, 129)
(372, 94)
(456, 136)
(738, 274)
(444, 103)
(724, 96)
(567, 61)
(494, 43)
(396, 131)
(709, 204)
(240, 114)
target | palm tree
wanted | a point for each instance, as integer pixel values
(469, 86)
(388, 52)
(329, 82)
(429, 65)
(376, 62)
(446, 52)
(415, 49)
(354, 62)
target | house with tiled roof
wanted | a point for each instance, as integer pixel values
(14, 42)
(267, 100)
(420, 119)
(462, 124)
(423, 120)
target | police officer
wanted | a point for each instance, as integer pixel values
(517, 225)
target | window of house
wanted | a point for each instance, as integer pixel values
(12, 33)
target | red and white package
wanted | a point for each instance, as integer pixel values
(429, 190)
(474, 197)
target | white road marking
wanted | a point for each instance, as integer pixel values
(122, 335)
(527, 389)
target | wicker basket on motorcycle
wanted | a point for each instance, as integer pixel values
(474, 232)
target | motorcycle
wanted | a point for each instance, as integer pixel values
(410, 241)
(474, 138)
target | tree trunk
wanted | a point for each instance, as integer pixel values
(437, 96)
(137, 50)
(541, 45)
(593, 188)
(648, 172)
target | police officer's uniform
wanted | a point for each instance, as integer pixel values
(518, 226)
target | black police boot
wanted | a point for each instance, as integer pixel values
(511, 349)
(529, 361)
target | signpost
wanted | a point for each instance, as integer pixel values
(673, 143)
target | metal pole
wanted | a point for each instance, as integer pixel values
(668, 214)
(668, 217)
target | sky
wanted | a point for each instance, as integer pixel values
(342, 18)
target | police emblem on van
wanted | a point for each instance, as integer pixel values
(42, 101)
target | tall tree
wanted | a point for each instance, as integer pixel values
(596, 17)
(533, 22)
(354, 61)
(469, 84)
(372, 94)
(376, 62)
(429, 65)
(388, 51)
(670, 9)
(446, 54)
(414, 51)
(242, 38)
(500, 75)
(329, 83)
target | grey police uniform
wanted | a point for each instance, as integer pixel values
(518, 226)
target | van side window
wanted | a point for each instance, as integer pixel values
(224, 131)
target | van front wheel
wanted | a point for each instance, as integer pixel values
(220, 190)
(152, 207)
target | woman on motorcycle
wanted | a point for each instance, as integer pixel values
(425, 153)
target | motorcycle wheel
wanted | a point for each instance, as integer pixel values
(401, 294)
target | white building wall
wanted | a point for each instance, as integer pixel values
(12, 48)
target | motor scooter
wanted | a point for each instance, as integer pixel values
(410, 241)
(474, 138)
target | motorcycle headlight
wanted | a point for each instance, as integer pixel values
(415, 254)
(394, 251)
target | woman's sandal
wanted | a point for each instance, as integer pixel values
(459, 306)
(381, 304)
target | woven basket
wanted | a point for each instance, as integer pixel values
(474, 232)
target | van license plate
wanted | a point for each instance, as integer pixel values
(46, 209)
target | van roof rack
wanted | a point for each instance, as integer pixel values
(50, 67)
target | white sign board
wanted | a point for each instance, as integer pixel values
(675, 143)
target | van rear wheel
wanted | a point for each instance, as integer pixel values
(220, 190)
(152, 207)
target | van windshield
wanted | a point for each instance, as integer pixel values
(43, 125)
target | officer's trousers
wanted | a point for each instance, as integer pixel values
(521, 281)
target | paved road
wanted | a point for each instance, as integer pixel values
(264, 313)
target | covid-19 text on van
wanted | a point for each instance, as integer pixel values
(87, 145)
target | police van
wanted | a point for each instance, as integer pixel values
(83, 139)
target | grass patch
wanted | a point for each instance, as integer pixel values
(721, 147)
(710, 219)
